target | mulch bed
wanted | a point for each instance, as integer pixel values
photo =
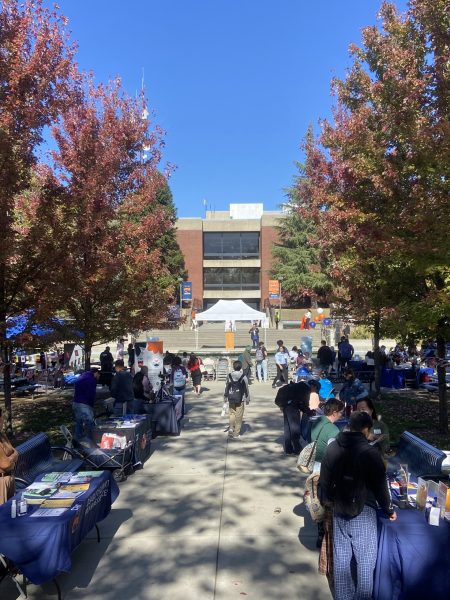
(416, 411)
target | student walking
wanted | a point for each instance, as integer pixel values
(282, 362)
(236, 392)
(261, 362)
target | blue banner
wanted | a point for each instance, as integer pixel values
(186, 290)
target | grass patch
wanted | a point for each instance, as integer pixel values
(43, 413)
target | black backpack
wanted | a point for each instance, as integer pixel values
(350, 492)
(138, 386)
(236, 390)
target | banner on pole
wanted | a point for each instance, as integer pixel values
(186, 290)
(274, 289)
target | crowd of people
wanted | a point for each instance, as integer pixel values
(350, 447)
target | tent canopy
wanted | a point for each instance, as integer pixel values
(231, 310)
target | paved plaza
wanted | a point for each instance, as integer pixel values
(207, 518)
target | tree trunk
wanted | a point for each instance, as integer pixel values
(443, 408)
(87, 355)
(376, 350)
(6, 356)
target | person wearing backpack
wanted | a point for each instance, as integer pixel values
(236, 392)
(261, 362)
(353, 482)
(178, 378)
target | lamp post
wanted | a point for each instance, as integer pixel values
(180, 283)
(280, 279)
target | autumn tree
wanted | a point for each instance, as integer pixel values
(37, 77)
(380, 173)
(113, 280)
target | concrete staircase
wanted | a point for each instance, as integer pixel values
(211, 337)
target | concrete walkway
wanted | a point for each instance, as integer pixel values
(207, 518)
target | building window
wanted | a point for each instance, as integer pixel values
(229, 246)
(230, 278)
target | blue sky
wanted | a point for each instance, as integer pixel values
(234, 83)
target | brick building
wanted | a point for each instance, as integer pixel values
(228, 254)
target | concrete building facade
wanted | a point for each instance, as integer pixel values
(228, 254)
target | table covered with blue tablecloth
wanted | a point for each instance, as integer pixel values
(41, 547)
(413, 559)
(166, 416)
(392, 378)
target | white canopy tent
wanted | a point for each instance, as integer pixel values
(232, 310)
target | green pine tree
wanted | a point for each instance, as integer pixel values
(296, 261)
(171, 254)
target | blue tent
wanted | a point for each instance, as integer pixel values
(21, 324)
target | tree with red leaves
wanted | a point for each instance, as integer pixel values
(37, 78)
(378, 178)
(113, 277)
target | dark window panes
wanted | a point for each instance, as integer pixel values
(212, 245)
(250, 276)
(250, 244)
(212, 275)
(232, 277)
(231, 244)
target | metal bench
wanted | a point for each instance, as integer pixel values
(37, 456)
(20, 386)
(423, 459)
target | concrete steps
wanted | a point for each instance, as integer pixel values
(213, 337)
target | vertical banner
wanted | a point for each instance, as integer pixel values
(274, 289)
(186, 291)
(150, 354)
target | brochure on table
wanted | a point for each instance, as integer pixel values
(57, 492)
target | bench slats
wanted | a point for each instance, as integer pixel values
(36, 457)
(421, 457)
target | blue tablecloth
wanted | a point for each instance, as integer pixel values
(165, 416)
(392, 378)
(413, 559)
(41, 547)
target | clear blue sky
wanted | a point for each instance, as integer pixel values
(234, 83)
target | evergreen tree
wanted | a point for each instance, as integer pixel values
(171, 255)
(298, 261)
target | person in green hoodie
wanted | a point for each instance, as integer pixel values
(324, 428)
(247, 362)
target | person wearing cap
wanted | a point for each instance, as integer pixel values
(353, 483)
(83, 403)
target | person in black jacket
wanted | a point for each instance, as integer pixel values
(293, 400)
(353, 480)
(325, 357)
(106, 367)
(122, 390)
